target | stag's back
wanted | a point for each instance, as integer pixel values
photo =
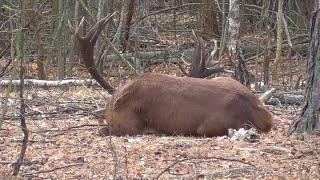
(175, 105)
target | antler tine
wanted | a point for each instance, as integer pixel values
(214, 69)
(215, 49)
(194, 35)
(199, 57)
(201, 51)
(86, 45)
(198, 67)
(77, 33)
(97, 28)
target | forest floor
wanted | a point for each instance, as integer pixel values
(64, 144)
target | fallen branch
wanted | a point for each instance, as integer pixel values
(99, 113)
(151, 56)
(267, 95)
(291, 98)
(232, 172)
(197, 158)
(51, 170)
(48, 83)
(69, 128)
(6, 162)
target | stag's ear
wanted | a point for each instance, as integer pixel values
(126, 94)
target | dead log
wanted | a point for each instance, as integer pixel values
(47, 83)
(286, 98)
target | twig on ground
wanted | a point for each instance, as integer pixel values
(6, 162)
(196, 158)
(50, 83)
(70, 128)
(233, 172)
(115, 156)
(51, 170)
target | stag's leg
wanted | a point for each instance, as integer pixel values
(217, 125)
(125, 123)
(209, 130)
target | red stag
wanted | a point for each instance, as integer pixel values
(175, 105)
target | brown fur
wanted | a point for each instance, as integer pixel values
(185, 106)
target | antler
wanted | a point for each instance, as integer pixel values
(87, 44)
(198, 67)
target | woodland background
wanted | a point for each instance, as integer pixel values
(60, 138)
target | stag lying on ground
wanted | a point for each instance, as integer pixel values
(175, 105)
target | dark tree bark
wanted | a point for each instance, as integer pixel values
(128, 24)
(237, 59)
(267, 51)
(309, 117)
(209, 19)
(20, 54)
(241, 71)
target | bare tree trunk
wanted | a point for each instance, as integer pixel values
(73, 57)
(309, 117)
(277, 60)
(20, 57)
(60, 42)
(136, 58)
(224, 31)
(234, 29)
(209, 18)
(7, 94)
(40, 61)
(267, 57)
(41, 72)
(267, 51)
(305, 8)
(128, 24)
(99, 48)
(241, 72)
(118, 35)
